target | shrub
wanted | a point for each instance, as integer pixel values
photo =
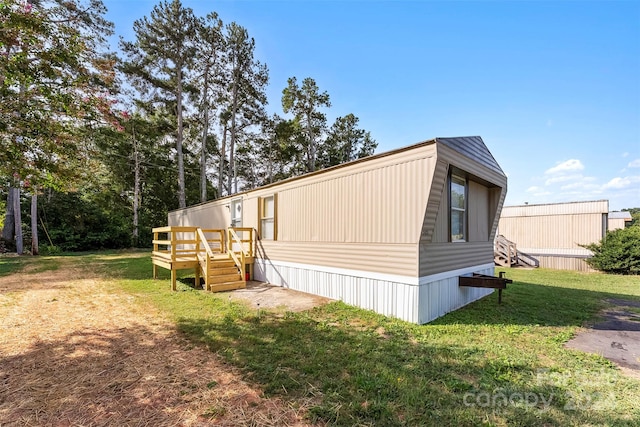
(618, 252)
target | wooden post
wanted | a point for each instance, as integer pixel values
(173, 260)
(155, 249)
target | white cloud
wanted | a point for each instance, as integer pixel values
(537, 191)
(634, 164)
(584, 184)
(566, 166)
(578, 177)
(618, 183)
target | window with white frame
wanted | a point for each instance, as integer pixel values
(268, 218)
(458, 207)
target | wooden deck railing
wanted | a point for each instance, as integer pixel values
(245, 240)
(179, 243)
(239, 257)
(215, 242)
(177, 248)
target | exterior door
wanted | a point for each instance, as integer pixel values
(236, 213)
(236, 220)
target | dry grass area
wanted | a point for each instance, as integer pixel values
(75, 351)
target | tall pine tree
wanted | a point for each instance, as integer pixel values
(245, 92)
(305, 102)
(160, 63)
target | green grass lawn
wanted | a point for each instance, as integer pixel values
(485, 364)
(12, 264)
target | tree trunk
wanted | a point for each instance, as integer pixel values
(9, 229)
(17, 221)
(34, 223)
(311, 158)
(136, 190)
(182, 202)
(223, 156)
(203, 148)
(234, 111)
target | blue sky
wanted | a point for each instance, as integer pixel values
(552, 87)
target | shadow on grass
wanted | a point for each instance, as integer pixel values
(535, 304)
(95, 377)
(10, 264)
(361, 374)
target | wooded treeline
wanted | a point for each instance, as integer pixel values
(111, 142)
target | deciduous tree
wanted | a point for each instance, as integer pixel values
(55, 82)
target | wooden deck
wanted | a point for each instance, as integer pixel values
(222, 257)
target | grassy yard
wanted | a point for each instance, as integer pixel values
(486, 364)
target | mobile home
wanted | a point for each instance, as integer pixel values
(554, 233)
(391, 232)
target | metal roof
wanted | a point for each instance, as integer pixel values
(474, 148)
(570, 208)
(620, 215)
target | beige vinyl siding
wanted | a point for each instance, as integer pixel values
(209, 215)
(440, 257)
(616, 223)
(365, 217)
(553, 231)
(437, 206)
(382, 205)
(487, 190)
(399, 259)
(478, 219)
(564, 263)
(441, 226)
(497, 196)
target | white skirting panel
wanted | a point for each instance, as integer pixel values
(407, 298)
(440, 293)
(395, 296)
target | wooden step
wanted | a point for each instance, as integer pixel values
(221, 278)
(227, 286)
(222, 263)
(218, 271)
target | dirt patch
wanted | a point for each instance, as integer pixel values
(76, 351)
(264, 295)
(616, 337)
